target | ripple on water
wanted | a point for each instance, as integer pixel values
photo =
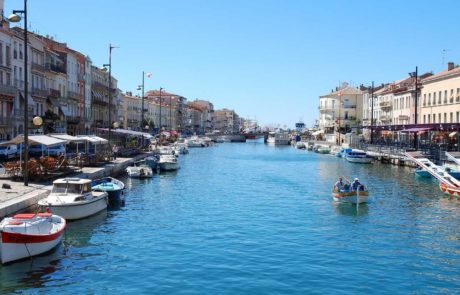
(247, 218)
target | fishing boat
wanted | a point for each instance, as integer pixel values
(168, 163)
(28, 234)
(72, 198)
(350, 193)
(141, 171)
(358, 156)
(112, 186)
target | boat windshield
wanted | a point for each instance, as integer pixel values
(67, 188)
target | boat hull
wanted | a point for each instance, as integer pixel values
(78, 210)
(351, 197)
(137, 172)
(450, 190)
(169, 166)
(16, 246)
(360, 160)
(112, 186)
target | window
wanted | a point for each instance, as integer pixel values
(424, 100)
(457, 99)
(424, 119)
(451, 117)
(445, 96)
(445, 118)
(1, 53)
(434, 98)
(439, 97)
(439, 118)
(20, 51)
(429, 98)
(458, 117)
(451, 98)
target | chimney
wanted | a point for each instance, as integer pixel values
(450, 66)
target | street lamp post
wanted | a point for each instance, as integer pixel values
(16, 18)
(170, 116)
(141, 87)
(372, 113)
(415, 75)
(109, 65)
(160, 108)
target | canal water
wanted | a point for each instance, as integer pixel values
(254, 219)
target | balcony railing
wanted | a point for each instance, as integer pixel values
(19, 83)
(38, 67)
(8, 90)
(403, 117)
(54, 93)
(73, 119)
(386, 104)
(73, 95)
(40, 92)
(55, 68)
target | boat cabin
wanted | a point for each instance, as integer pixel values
(71, 186)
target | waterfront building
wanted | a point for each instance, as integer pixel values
(173, 109)
(207, 109)
(8, 93)
(440, 97)
(88, 118)
(100, 98)
(132, 106)
(340, 111)
(226, 121)
(196, 119)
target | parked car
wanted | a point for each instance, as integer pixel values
(39, 149)
(8, 151)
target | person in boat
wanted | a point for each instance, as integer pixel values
(356, 184)
(339, 184)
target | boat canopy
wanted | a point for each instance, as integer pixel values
(128, 132)
(67, 137)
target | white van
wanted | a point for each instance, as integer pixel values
(8, 151)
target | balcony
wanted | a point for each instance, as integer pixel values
(38, 67)
(73, 95)
(56, 68)
(73, 119)
(39, 92)
(403, 117)
(54, 93)
(386, 105)
(5, 121)
(19, 84)
(385, 118)
(8, 90)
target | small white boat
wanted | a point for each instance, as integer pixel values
(72, 198)
(195, 141)
(181, 148)
(28, 234)
(168, 163)
(323, 149)
(278, 138)
(358, 156)
(142, 171)
(350, 194)
(300, 145)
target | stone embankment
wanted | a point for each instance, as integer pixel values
(19, 197)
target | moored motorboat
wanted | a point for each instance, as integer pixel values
(112, 186)
(72, 198)
(168, 163)
(358, 156)
(142, 171)
(28, 234)
(300, 145)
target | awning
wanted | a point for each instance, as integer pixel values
(93, 139)
(36, 139)
(66, 137)
(128, 132)
(415, 129)
(452, 134)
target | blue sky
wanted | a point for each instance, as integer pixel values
(269, 59)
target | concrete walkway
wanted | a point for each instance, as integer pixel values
(20, 197)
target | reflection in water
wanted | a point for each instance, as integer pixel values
(78, 233)
(30, 273)
(351, 209)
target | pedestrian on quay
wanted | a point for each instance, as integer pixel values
(114, 151)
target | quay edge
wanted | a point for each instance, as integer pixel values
(30, 198)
